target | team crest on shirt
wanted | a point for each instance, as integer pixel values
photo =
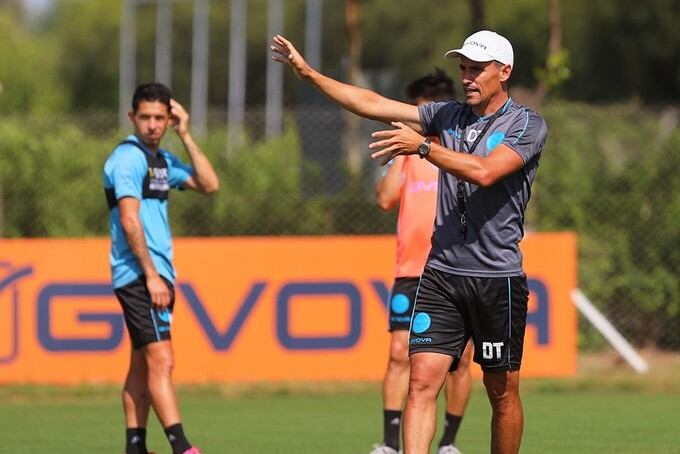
(158, 179)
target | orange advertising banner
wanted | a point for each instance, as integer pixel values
(247, 309)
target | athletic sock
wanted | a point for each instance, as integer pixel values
(391, 426)
(177, 439)
(135, 440)
(450, 429)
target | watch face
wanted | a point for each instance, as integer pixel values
(423, 149)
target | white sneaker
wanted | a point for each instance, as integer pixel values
(448, 449)
(383, 449)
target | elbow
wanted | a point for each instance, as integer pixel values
(385, 203)
(484, 179)
(210, 187)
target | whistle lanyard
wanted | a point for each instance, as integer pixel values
(461, 193)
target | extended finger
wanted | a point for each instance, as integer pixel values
(278, 50)
(379, 144)
(283, 41)
(387, 133)
(385, 151)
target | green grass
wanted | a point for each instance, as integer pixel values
(561, 417)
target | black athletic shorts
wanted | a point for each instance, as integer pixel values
(401, 302)
(450, 309)
(144, 323)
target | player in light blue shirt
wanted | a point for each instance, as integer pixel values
(138, 176)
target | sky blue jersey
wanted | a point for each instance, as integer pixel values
(132, 170)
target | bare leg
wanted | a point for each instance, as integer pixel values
(395, 383)
(457, 391)
(507, 421)
(135, 392)
(428, 372)
(459, 384)
(159, 360)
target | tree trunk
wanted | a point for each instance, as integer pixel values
(554, 47)
(477, 13)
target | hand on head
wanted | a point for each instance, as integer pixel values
(179, 117)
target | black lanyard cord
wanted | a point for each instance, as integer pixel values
(461, 194)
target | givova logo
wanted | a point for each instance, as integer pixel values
(400, 303)
(421, 323)
(9, 309)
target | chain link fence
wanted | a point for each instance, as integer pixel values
(609, 173)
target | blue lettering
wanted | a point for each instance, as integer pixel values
(382, 291)
(222, 340)
(45, 301)
(540, 316)
(289, 291)
(12, 278)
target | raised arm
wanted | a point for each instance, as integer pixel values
(363, 102)
(204, 179)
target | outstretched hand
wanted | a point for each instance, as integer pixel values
(285, 52)
(394, 142)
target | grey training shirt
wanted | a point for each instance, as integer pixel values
(495, 215)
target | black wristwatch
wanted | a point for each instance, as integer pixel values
(424, 148)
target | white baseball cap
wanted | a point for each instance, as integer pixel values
(485, 46)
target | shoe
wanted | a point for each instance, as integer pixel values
(193, 450)
(384, 449)
(448, 449)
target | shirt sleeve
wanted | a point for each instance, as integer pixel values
(127, 173)
(436, 117)
(527, 135)
(178, 172)
(429, 118)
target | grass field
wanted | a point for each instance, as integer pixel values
(586, 415)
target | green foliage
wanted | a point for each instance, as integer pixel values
(51, 179)
(556, 71)
(617, 49)
(261, 192)
(27, 76)
(610, 174)
(87, 34)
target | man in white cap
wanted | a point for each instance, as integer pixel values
(473, 284)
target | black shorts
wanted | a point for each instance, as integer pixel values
(145, 324)
(450, 309)
(401, 302)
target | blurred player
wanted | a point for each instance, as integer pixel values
(137, 178)
(411, 183)
(473, 285)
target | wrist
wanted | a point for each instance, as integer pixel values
(424, 148)
(151, 274)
